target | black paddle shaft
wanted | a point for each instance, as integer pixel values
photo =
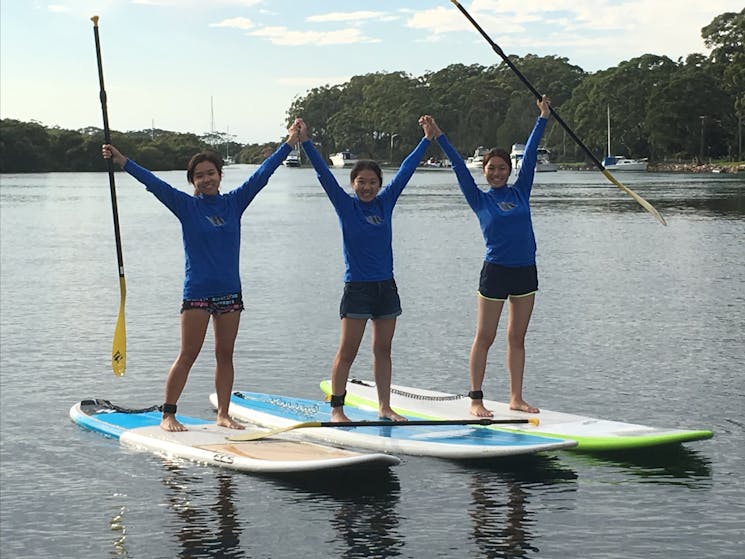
(107, 139)
(533, 90)
(388, 423)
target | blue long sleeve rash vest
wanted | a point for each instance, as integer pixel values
(367, 234)
(210, 226)
(504, 212)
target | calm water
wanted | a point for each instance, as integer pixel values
(634, 322)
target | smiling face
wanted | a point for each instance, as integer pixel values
(206, 178)
(366, 185)
(497, 170)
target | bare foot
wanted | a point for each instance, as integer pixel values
(338, 415)
(227, 421)
(169, 423)
(388, 413)
(522, 405)
(478, 409)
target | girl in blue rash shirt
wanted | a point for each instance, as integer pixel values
(509, 269)
(370, 290)
(211, 230)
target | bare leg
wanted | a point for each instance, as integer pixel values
(489, 311)
(521, 309)
(193, 329)
(383, 330)
(352, 330)
(226, 330)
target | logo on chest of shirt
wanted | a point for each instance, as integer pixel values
(506, 206)
(374, 219)
(216, 220)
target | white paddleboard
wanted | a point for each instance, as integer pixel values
(207, 443)
(442, 441)
(591, 434)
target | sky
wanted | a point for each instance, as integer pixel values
(235, 66)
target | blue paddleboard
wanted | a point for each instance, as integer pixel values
(442, 441)
(207, 443)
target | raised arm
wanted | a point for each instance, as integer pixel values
(328, 181)
(467, 184)
(524, 180)
(408, 166)
(171, 197)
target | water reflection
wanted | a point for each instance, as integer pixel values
(502, 514)
(364, 505)
(120, 530)
(194, 533)
(670, 464)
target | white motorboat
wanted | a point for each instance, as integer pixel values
(543, 161)
(293, 159)
(477, 160)
(619, 162)
(343, 159)
(433, 164)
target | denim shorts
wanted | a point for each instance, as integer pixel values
(215, 305)
(370, 299)
(500, 282)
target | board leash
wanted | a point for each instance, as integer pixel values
(411, 394)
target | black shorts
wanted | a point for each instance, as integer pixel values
(215, 305)
(370, 299)
(500, 282)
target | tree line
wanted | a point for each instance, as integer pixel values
(684, 110)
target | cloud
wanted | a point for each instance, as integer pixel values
(182, 3)
(285, 37)
(346, 16)
(235, 23)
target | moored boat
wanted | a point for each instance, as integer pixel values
(619, 162)
(343, 159)
(476, 161)
(543, 161)
(293, 159)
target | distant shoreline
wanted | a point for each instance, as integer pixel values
(674, 167)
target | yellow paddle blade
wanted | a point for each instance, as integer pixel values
(119, 346)
(642, 202)
(256, 435)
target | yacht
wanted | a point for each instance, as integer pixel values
(619, 162)
(476, 161)
(343, 159)
(293, 159)
(543, 161)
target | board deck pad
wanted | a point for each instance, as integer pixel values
(591, 434)
(442, 441)
(206, 442)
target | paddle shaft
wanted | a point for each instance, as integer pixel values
(434, 422)
(118, 353)
(645, 204)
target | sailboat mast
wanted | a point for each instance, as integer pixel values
(212, 116)
(609, 155)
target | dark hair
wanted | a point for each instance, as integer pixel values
(201, 157)
(497, 152)
(366, 165)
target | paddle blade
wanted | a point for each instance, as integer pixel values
(642, 202)
(119, 346)
(256, 435)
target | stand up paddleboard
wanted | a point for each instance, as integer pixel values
(590, 433)
(207, 443)
(457, 442)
